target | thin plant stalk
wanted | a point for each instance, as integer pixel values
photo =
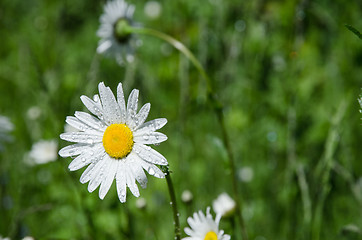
(173, 203)
(324, 168)
(217, 107)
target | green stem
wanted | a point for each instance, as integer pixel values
(325, 166)
(217, 107)
(173, 203)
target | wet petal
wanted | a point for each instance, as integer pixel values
(108, 180)
(82, 137)
(111, 109)
(150, 126)
(142, 115)
(148, 154)
(122, 103)
(90, 121)
(150, 138)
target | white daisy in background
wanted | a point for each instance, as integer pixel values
(153, 9)
(113, 143)
(187, 196)
(43, 152)
(28, 238)
(246, 174)
(224, 205)
(5, 128)
(116, 40)
(204, 227)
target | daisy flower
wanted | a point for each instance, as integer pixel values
(113, 142)
(224, 205)
(5, 128)
(43, 152)
(116, 40)
(204, 227)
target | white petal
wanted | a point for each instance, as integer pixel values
(73, 150)
(150, 138)
(226, 237)
(142, 114)
(74, 122)
(92, 106)
(103, 45)
(131, 182)
(150, 126)
(90, 121)
(121, 182)
(132, 106)
(148, 154)
(88, 156)
(98, 174)
(121, 103)
(88, 174)
(188, 231)
(110, 107)
(82, 137)
(137, 170)
(150, 168)
(110, 175)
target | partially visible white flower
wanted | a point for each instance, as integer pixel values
(113, 142)
(43, 152)
(116, 40)
(224, 205)
(204, 227)
(153, 9)
(246, 174)
(141, 203)
(5, 128)
(34, 112)
(5, 238)
(187, 196)
(28, 238)
(360, 102)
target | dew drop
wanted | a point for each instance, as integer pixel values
(151, 171)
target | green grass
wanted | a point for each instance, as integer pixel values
(288, 74)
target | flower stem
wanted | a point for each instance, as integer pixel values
(217, 107)
(173, 203)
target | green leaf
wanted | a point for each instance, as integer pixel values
(355, 31)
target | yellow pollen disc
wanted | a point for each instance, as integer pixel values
(210, 236)
(118, 140)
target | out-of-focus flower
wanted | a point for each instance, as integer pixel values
(116, 39)
(34, 112)
(5, 128)
(246, 174)
(28, 238)
(5, 238)
(204, 227)
(141, 203)
(153, 9)
(224, 205)
(114, 144)
(187, 196)
(43, 152)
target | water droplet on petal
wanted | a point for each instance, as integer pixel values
(151, 171)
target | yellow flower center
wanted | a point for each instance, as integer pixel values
(118, 140)
(210, 236)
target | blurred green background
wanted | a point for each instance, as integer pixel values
(288, 73)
